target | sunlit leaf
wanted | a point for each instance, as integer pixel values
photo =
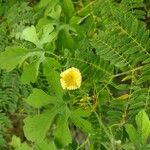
(77, 117)
(39, 98)
(143, 126)
(62, 133)
(30, 71)
(29, 34)
(133, 135)
(35, 128)
(12, 57)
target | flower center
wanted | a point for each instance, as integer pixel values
(70, 79)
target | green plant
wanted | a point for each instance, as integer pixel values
(108, 41)
(139, 137)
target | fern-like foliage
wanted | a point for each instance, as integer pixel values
(96, 134)
(91, 65)
(136, 7)
(4, 125)
(3, 36)
(123, 41)
(14, 16)
(12, 93)
(9, 90)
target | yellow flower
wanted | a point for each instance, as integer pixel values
(71, 79)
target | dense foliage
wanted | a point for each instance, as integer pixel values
(107, 41)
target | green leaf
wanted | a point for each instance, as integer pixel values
(30, 71)
(143, 129)
(133, 135)
(65, 40)
(38, 98)
(29, 34)
(35, 128)
(77, 117)
(143, 79)
(17, 145)
(128, 146)
(51, 63)
(62, 133)
(48, 34)
(41, 23)
(53, 78)
(46, 146)
(24, 146)
(81, 112)
(143, 126)
(15, 142)
(55, 12)
(13, 56)
(43, 3)
(68, 8)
